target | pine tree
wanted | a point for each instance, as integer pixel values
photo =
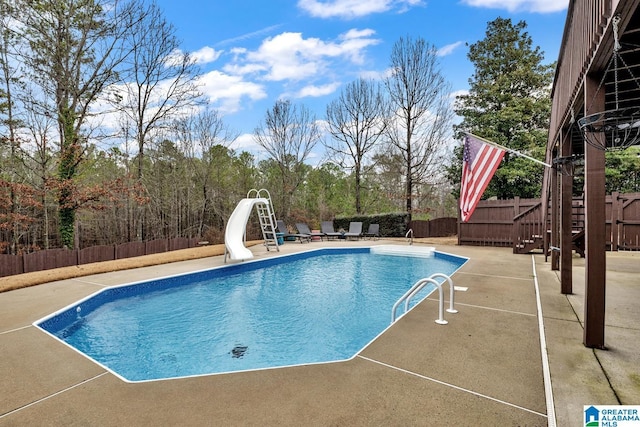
(508, 103)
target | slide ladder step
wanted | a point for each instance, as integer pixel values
(267, 218)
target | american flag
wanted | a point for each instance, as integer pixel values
(479, 163)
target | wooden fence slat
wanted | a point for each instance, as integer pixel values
(97, 254)
(439, 227)
(178, 243)
(55, 258)
(11, 264)
(156, 246)
(51, 258)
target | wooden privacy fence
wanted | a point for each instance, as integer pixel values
(439, 227)
(56, 258)
(520, 223)
(492, 222)
(623, 225)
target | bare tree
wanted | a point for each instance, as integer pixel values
(158, 80)
(75, 47)
(9, 123)
(357, 122)
(158, 83)
(205, 137)
(288, 134)
(423, 115)
(40, 125)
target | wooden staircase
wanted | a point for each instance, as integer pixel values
(530, 226)
(528, 230)
(526, 246)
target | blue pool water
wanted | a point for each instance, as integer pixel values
(318, 306)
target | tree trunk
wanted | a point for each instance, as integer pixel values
(358, 203)
(67, 170)
(409, 188)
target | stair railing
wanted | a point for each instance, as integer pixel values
(528, 226)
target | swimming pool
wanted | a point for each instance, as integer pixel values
(317, 306)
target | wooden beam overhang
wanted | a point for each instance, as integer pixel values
(580, 89)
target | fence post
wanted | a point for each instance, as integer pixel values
(514, 236)
(616, 217)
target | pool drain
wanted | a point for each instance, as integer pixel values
(238, 351)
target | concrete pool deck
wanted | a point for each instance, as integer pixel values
(485, 367)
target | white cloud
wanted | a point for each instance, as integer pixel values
(539, 6)
(377, 75)
(243, 69)
(289, 56)
(355, 41)
(353, 8)
(448, 49)
(245, 142)
(205, 55)
(356, 34)
(316, 91)
(226, 91)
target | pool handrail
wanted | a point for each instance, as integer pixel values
(417, 287)
(410, 239)
(451, 308)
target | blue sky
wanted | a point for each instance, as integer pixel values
(254, 52)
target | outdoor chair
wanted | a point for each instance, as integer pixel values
(282, 228)
(355, 230)
(327, 228)
(304, 229)
(373, 232)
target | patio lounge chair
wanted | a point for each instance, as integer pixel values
(282, 228)
(373, 231)
(304, 229)
(327, 228)
(355, 230)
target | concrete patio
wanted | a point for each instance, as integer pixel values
(483, 368)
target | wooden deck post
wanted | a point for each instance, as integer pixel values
(555, 220)
(566, 226)
(595, 257)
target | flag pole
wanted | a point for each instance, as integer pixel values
(509, 150)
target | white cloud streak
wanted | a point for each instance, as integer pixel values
(250, 35)
(448, 49)
(349, 9)
(536, 6)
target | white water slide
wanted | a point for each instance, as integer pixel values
(234, 236)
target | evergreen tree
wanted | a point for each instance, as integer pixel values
(623, 171)
(508, 103)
